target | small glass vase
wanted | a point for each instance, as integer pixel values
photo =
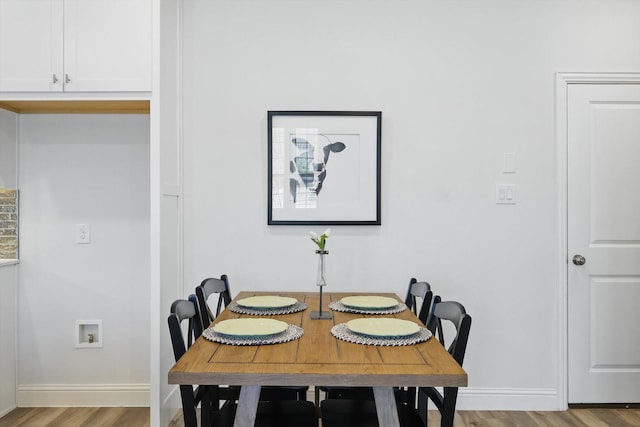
(321, 281)
(321, 276)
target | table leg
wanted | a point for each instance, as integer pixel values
(386, 407)
(247, 406)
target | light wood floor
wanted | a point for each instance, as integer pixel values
(139, 417)
(76, 417)
(570, 418)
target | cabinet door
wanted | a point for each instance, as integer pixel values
(107, 45)
(30, 45)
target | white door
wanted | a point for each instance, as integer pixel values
(604, 228)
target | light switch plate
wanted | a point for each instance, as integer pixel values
(509, 163)
(505, 194)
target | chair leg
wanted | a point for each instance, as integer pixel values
(423, 407)
(188, 406)
(449, 407)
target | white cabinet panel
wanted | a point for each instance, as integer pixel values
(75, 45)
(107, 45)
(30, 45)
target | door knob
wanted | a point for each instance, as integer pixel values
(579, 260)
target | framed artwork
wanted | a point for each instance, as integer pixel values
(324, 167)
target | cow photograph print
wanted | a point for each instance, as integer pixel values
(308, 167)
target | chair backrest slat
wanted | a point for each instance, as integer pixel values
(419, 291)
(208, 287)
(455, 313)
(183, 310)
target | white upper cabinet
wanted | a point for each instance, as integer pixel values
(107, 45)
(30, 45)
(75, 45)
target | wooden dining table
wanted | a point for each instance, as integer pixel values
(318, 358)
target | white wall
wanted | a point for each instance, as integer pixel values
(84, 169)
(458, 83)
(8, 273)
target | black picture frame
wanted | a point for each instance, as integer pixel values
(324, 167)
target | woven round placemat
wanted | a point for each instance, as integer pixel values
(298, 306)
(293, 332)
(339, 306)
(341, 331)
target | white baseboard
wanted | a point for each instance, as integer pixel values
(470, 399)
(34, 395)
(508, 399)
(473, 399)
(504, 399)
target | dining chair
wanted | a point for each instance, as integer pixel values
(271, 413)
(362, 413)
(204, 291)
(418, 300)
(185, 310)
(453, 313)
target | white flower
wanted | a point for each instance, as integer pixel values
(322, 239)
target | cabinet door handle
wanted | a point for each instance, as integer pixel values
(66, 78)
(55, 79)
